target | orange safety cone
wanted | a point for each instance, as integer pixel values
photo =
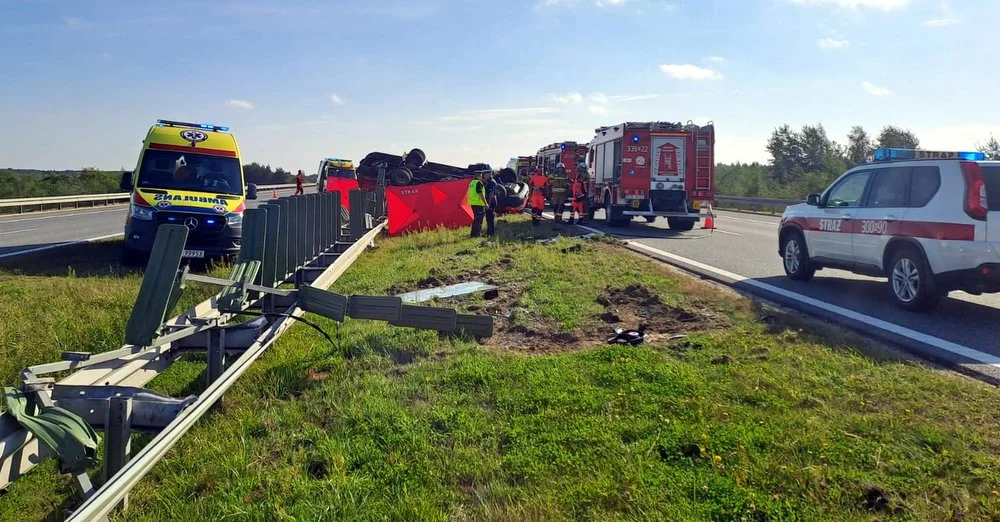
(709, 223)
(275, 196)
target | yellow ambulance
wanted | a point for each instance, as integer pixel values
(188, 174)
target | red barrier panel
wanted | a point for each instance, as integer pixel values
(428, 205)
(345, 186)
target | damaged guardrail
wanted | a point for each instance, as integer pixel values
(302, 241)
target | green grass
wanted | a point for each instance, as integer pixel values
(760, 420)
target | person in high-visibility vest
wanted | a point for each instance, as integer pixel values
(477, 200)
(560, 188)
(539, 185)
(578, 196)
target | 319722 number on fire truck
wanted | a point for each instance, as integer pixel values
(873, 227)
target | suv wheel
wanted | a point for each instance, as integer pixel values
(795, 258)
(911, 282)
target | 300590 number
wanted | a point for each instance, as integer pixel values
(637, 148)
(873, 227)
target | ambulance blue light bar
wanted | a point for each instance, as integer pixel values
(887, 154)
(206, 126)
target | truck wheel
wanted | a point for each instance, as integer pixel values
(507, 175)
(415, 158)
(613, 216)
(911, 282)
(650, 219)
(680, 224)
(400, 176)
(795, 258)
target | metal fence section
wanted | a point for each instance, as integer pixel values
(21, 205)
(293, 249)
(773, 206)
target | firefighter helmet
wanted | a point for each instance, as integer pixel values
(582, 167)
(560, 166)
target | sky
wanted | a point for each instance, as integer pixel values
(471, 81)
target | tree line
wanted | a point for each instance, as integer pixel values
(30, 183)
(807, 160)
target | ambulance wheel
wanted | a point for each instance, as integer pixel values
(132, 258)
(650, 219)
(415, 158)
(400, 176)
(682, 225)
(795, 258)
(911, 282)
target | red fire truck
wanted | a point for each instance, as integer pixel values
(651, 169)
(569, 153)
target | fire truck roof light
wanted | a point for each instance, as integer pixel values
(888, 154)
(635, 139)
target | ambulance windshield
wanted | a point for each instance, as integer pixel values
(170, 170)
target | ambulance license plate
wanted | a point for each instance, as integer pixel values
(635, 203)
(197, 254)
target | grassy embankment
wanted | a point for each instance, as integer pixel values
(729, 412)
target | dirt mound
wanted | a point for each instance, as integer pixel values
(626, 308)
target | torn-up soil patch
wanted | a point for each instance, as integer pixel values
(636, 306)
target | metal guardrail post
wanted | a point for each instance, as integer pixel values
(155, 294)
(216, 359)
(357, 199)
(312, 225)
(337, 224)
(281, 261)
(269, 264)
(117, 438)
(301, 225)
(293, 233)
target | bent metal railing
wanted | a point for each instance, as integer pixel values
(302, 241)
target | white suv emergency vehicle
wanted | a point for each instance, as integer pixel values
(929, 221)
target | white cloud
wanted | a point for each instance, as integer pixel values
(941, 22)
(240, 104)
(517, 116)
(875, 90)
(689, 72)
(715, 59)
(337, 100)
(832, 43)
(598, 109)
(574, 98)
(602, 3)
(885, 5)
(603, 99)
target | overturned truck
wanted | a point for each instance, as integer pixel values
(413, 168)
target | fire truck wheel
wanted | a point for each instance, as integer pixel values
(400, 176)
(613, 216)
(415, 158)
(507, 175)
(680, 224)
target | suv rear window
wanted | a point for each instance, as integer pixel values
(925, 183)
(991, 174)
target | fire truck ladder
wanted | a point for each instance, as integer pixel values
(704, 162)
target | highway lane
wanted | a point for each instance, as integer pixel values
(34, 232)
(747, 244)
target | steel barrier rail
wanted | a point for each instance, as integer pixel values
(93, 199)
(101, 503)
(771, 204)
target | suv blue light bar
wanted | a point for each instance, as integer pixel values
(887, 154)
(206, 126)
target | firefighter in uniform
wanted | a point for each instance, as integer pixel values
(539, 186)
(559, 190)
(578, 195)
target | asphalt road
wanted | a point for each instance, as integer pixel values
(747, 245)
(35, 232)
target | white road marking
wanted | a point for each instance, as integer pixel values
(930, 340)
(60, 245)
(719, 230)
(747, 220)
(63, 215)
(18, 231)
